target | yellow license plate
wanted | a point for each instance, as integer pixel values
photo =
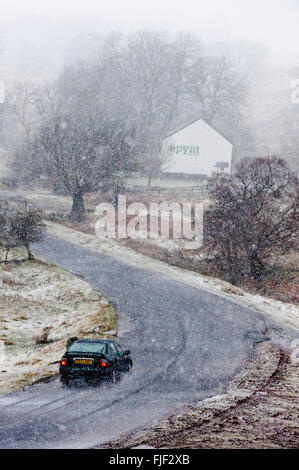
(88, 362)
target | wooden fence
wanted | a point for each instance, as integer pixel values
(189, 192)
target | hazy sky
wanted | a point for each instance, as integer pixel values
(274, 23)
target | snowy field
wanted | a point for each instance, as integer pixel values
(164, 182)
(33, 296)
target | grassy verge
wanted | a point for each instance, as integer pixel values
(35, 296)
(281, 281)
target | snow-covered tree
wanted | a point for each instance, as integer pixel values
(19, 227)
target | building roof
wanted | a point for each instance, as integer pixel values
(192, 122)
(183, 127)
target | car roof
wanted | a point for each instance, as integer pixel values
(93, 341)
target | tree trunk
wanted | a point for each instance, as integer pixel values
(30, 255)
(78, 208)
(257, 268)
(114, 198)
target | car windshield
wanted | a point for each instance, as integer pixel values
(88, 347)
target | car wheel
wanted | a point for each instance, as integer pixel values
(113, 377)
(64, 382)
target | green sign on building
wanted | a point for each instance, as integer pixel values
(184, 149)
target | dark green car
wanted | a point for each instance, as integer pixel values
(94, 359)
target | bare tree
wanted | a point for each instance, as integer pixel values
(83, 153)
(22, 102)
(289, 123)
(289, 139)
(216, 88)
(254, 215)
(77, 143)
(149, 70)
(216, 91)
(19, 227)
(7, 241)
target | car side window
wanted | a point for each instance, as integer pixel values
(119, 350)
(113, 349)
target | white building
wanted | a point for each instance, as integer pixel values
(196, 149)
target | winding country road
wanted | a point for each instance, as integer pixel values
(185, 342)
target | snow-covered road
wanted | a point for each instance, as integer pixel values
(185, 342)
